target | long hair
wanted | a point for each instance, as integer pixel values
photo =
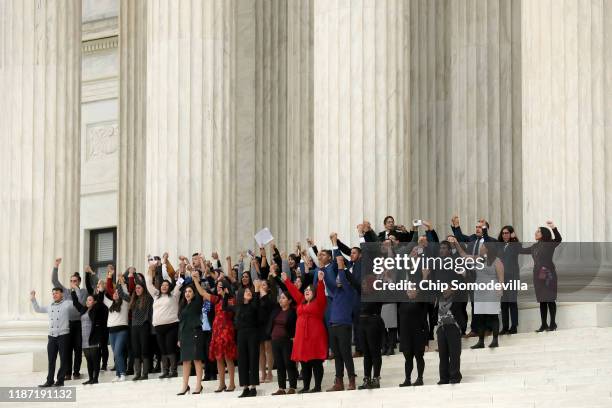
(546, 234)
(510, 228)
(491, 251)
(116, 306)
(314, 293)
(142, 301)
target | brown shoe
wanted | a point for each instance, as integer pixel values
(290, 391)
(351, 384)
(357, 354)
(280, 392)
(338, 385)
(471, 334)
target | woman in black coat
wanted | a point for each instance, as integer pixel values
(414, 329)
(508, 254)
(93, 322)
(544, 272)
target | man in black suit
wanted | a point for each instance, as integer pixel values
(399, 231)
(474, 242)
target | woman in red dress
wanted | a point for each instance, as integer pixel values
(223, 343)
(310, 341)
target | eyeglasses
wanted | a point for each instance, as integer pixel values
(506, 233)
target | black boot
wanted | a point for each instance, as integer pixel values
(145, 368)
(419, 381)
(406, 383)
(164, 365)
(365, 385)
(480, 343)
(137, 368)
(494, 343)
(172, 361)
(542, 328)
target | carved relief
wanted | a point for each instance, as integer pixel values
(102, 141)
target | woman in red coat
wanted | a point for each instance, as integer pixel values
(310, 341)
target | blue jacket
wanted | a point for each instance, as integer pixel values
(342, 299)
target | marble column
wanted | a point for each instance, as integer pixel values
(271, 158)
(361, 101)
(40, 71)
(465, 111)
(132, 122)
(567, 117)
(299, 166)
(190, 136)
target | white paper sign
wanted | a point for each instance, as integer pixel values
(263, 237)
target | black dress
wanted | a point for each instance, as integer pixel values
(413, 327)
(191, 335)
(544, 271)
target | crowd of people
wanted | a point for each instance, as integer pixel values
(290, 312)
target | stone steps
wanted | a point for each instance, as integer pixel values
(567, 368)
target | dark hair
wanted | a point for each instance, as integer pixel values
(170, 288)
(313, 290)
(195, 254)
(491, 251)
(183, 301)
(142, 300)
(356, 248)
(546, 234)
(387, 217)
(510, 229)
(328, 252)
(116, 306)
(77, 275)
(446, 244)
(57, 289)
(250, 284)
(295, 258)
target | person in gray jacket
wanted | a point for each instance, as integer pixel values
(74, 340)
(59, 331)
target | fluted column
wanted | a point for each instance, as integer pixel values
(190, 144)
(40, 71)
(567, 117)
(361, 71)
(132, 123)
(465, 111)
(271, 200)
(299, 166)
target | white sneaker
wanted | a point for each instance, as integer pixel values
(121, 378)
(116, 379)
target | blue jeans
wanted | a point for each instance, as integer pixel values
(118, 341)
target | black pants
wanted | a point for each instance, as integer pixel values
(412, 345)
(210, 367)
(139, 339)
(248, 357)
(167, 337)
(459, 309)
(356, 340)
(340, 341)
(104, 347)
(509, 312)
(76, 347)
(310, 367)
(432, 318)
(92, 355)
(58, 345)
(281, 350)
(370, 329)
(449, 349)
